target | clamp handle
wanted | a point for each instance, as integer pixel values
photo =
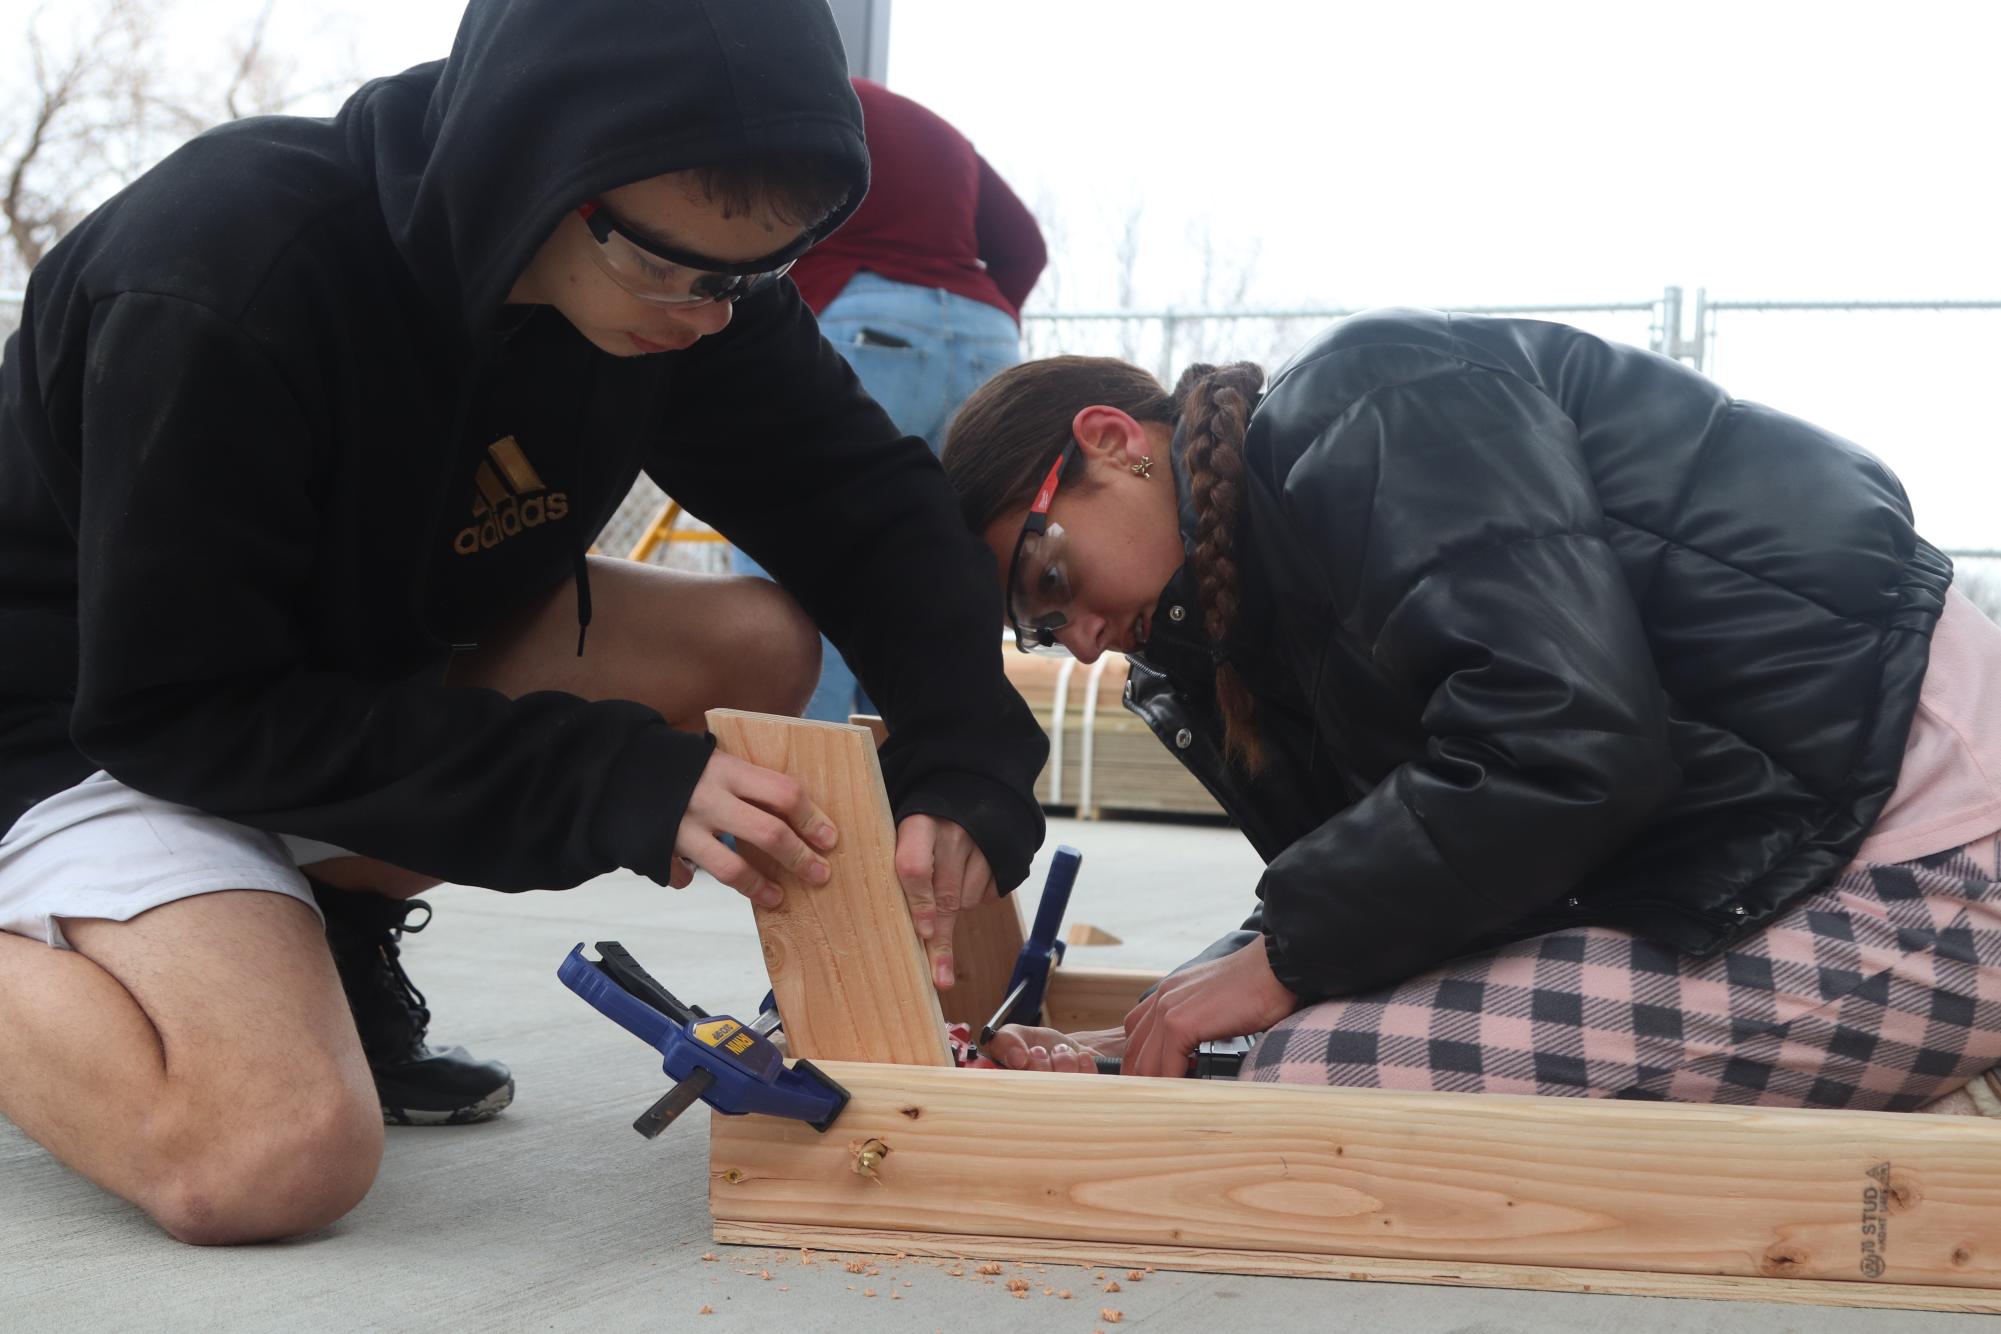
(1042, 951)
(732, 1067)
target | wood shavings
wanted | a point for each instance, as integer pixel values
(990, 1267)
(868, 1292)
(711, 1257)
(1134, 1276)
(1113, 1286)
(855, 1266)
(1110, 1315)
(1063, 1293)
(1017, 1285)
(706, 1310)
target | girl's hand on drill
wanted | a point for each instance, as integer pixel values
(762, 808)
(944, 873)
(1223, 998)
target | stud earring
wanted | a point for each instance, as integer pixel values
(1144, 468)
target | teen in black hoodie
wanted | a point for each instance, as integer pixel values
(315, 403)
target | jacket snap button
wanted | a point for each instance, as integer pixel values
(1184, 739)
(1740, 911)
(1573, 903)
(1177, 614)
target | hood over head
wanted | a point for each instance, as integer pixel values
(543, 104)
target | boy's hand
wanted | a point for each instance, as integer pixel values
(943, 873)
(1223, 998)
(760, 807)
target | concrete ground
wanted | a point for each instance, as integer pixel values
(558, 1217)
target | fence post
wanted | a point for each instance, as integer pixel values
(1698, 351)
(1667, 329)
(1168, 322)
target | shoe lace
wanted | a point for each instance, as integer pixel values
(392, 956)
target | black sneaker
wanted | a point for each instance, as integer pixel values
(419, 1085)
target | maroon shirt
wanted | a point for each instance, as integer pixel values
(936, 215)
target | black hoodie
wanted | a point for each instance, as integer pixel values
(253, 423)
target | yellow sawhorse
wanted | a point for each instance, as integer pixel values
(662, 530)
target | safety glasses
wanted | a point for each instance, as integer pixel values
(668, 277)
(1038, 576)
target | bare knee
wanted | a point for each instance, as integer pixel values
(282, 1177)
(772, 652)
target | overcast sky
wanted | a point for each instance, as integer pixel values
(1459, 154)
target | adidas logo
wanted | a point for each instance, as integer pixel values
(508, 496)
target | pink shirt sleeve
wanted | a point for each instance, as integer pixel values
(1948, 792)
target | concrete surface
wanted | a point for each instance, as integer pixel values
(558, 1217)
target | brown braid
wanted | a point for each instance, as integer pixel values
(1215, 413)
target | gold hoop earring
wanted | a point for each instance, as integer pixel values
(1144, 468)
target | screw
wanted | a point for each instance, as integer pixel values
(868, 1156)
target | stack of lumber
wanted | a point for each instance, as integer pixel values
(1101, 758)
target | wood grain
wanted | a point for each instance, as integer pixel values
(877, 728)
(849, 975)
(1080, 998)
(985, 941)
(1354, 1268)
(1751, 1193)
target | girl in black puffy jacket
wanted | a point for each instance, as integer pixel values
(1601, 734)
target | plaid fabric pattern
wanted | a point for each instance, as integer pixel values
(1880, 991)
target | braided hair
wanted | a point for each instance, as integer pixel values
(1215, 408)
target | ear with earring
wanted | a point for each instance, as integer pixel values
(1144, 468)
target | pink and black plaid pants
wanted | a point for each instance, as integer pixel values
(1881, 990)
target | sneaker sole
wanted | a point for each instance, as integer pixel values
(492, 1105)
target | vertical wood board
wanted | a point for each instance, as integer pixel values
(848, 973)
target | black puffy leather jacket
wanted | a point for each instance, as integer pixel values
(1543, 630)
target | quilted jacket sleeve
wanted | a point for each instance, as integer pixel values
(1497, 603)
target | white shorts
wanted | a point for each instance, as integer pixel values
(100, 849)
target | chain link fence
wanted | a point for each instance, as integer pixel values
(1168, 341)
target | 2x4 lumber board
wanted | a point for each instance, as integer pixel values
(1080, 998)
(985, 943)
(848, 973)
(1455, 1180)
(1281, 1264)
(985, 940)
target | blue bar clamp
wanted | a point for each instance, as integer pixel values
(733, 1067)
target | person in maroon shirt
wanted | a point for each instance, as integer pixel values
(921, 290)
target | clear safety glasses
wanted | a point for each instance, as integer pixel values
(666, 277)
(1038, 576)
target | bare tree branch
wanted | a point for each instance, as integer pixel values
(53, 98)
(247, 63)
(106, 100)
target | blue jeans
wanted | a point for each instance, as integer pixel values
(920, 353)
